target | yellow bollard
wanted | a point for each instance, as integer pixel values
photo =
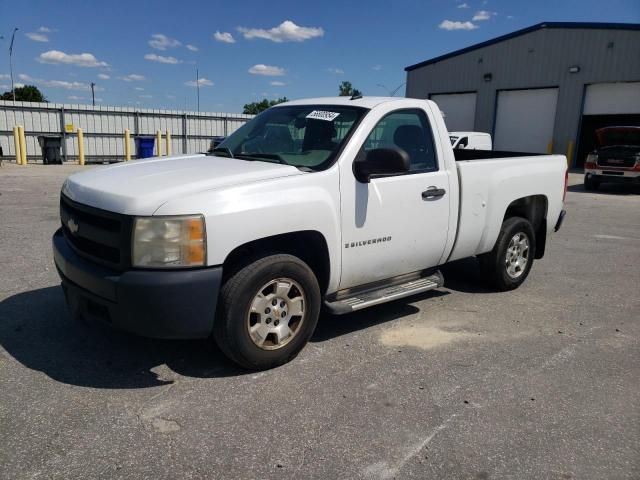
(569, 154)
(550, 147)
(16, 141)
(127, 145)
(80, 147)
(158, 143)
(167, 149)
(23, 145)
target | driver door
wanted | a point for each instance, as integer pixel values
(392, 226)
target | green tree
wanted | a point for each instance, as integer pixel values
(255, 108)
(347, 90)
(28, 93)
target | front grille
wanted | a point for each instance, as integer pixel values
(616, 161)
(98, 235)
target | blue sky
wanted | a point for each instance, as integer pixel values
(145, 54)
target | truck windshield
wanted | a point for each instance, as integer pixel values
(304, 136)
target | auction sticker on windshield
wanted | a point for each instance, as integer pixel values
(322, 115)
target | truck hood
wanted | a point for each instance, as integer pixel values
(140, 187)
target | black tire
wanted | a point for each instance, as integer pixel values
(231, 328)
(591, 182)
(494, 265)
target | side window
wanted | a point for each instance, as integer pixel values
(410, 131)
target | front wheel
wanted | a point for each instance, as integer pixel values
(268, 310)
(509, 263)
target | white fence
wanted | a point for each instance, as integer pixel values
(103, 128)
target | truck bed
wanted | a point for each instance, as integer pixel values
(461, 155)
(488, 187)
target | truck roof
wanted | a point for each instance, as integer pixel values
(365, 102)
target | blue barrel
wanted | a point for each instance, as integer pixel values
(144, 147)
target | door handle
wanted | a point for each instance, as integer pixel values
(433, 192)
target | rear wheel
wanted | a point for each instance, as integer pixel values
(591, 182)
(509, 263)
(268, 310)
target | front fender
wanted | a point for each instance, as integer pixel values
(241, 214)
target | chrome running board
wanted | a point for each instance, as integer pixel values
(368, 298)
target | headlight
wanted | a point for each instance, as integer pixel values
(169, 242)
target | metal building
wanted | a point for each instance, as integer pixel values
(545, 88)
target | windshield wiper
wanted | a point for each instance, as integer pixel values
(223, 150)
(265, 156)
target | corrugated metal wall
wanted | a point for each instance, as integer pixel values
(103, 127)
(536, 59)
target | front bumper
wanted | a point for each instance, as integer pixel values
(157, 304)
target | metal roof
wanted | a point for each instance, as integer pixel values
(533, 28)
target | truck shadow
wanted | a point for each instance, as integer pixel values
(464, 276)
(37, 330)
(608, 189)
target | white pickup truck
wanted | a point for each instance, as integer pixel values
(337, 202)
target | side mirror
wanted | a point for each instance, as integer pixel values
(379, 162)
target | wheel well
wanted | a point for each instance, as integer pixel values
(534, 209)
(309, 246)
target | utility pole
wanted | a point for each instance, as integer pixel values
(93, 94)
(198, 88)
(13, 90)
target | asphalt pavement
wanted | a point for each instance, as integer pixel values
(539, 383)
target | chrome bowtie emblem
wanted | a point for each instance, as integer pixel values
(72, 225)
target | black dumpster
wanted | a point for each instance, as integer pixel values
(50, 145)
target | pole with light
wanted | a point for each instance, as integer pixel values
(13, 36)
(93, 94)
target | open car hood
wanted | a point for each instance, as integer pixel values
(618, 136)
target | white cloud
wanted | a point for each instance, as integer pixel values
(377, 68)
(139, 89)
(37, 37)
(193, 48)
(203, 82)
(287, 31)
(510, 17)
(40, 35)
(266, 70)
(482, 15)
(4, 76)
(464, 5)
(4, 87)
(134, 77)
(450, 25)
(337, 71)
(57, 83)
(224, 37)
(146, 96)
(276, 83)
(152, 57)
(162, 42)
(77, 59)
(103, 76)
(75, 97)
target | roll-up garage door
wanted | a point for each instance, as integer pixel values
(459, 110)
(606, 105)
(612, 99)
(525, 120)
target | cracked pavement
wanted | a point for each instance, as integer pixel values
(464, 383)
